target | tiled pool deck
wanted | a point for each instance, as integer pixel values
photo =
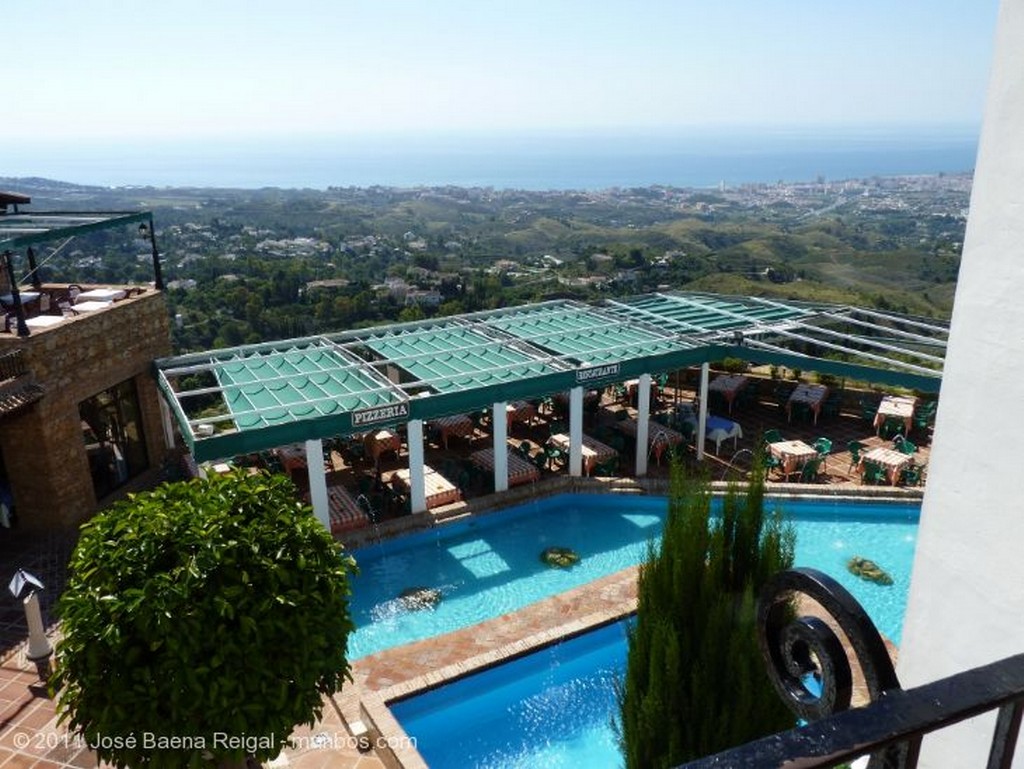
(29, 736)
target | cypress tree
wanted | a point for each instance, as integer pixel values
(695, 680)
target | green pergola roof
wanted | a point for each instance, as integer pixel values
(25, 229)
(585, 334)
(706, 314)
(260, 396)
(454, 357)
(273, 387)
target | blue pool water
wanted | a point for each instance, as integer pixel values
(549, 709)
(490, 565)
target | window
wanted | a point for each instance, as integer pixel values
(114, 441)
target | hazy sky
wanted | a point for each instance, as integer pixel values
(206, 68)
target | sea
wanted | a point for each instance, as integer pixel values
(527, 160)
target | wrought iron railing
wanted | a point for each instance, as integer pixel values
(12, 365)
(891, 727)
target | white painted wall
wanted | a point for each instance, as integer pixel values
(966, 603)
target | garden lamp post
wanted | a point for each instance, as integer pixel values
(39, 649)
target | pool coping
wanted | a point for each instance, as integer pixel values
(394, 746)
(397, 750)
(490, 503)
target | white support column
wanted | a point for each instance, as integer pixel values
(643, 413)
(417, 484)
(165, 415)
(499, 423)
(702, 414)
(318, 481)
(576, 431)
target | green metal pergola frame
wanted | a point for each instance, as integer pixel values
(257, 397)
(22, 230)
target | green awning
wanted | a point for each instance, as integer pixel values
(260, 396)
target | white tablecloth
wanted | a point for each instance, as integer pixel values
(100, 295)
(718, 429)
(91, 306)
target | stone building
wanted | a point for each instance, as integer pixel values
(80, 419)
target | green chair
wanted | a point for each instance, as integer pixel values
(809, 472)
(868, 410)
(771, 463)
(910, 475)
(824, 447)
(891, 427)
(555, 457)
(874, 473)
(906, 447)
(773, 436)
(540, 459)
(855, 448)
(524, 449)
(687, 430)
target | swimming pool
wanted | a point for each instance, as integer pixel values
(490, 565)
(551, 708)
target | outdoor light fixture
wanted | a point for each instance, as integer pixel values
(143, 230)
(39, 649)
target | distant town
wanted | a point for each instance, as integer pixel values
(250, 265)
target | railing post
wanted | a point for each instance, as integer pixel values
(19, 311)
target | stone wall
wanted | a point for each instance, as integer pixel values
(43, 449)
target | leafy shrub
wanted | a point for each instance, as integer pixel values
(205, 608)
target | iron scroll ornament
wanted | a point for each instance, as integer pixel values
(795, 648)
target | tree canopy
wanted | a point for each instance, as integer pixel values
(208, 616)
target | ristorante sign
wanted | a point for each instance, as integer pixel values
(585, 375)
(380, 414)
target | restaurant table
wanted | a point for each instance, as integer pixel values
(792, 455)
(896, 407)
(892, 461)
(519, 470)
(718, 429)
(101, 295)
(520, 411)
(344, 511)
(594, 452)
(812, 394)
(456, 424)
(378, 442)
(659, 437)
(439, 490)
(729, 385)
